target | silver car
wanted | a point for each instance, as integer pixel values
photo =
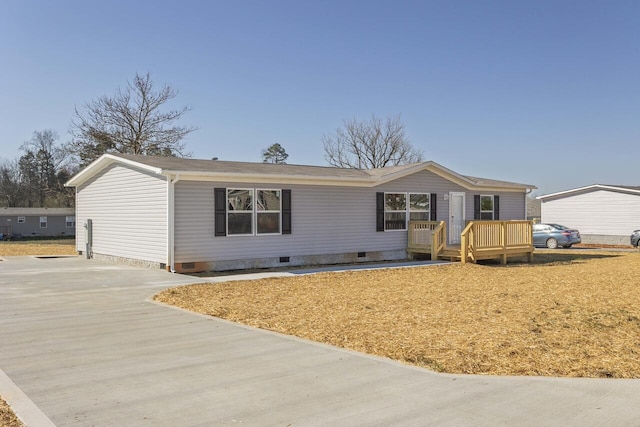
(553, 235)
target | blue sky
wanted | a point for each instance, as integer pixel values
(540, 92)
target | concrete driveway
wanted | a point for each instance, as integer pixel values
(81, 345)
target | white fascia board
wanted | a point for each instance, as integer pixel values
(368, 181)
(102, 162)
(463, 182)
(561, 193)
(431, 166)
(587, 188)
(272, 179)
(451, 176)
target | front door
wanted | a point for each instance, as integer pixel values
(456, 216)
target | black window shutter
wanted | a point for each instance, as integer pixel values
(379, 211)
(496, 207)
(433, 199)
(286, 211)
(220, 206)
(476, 206)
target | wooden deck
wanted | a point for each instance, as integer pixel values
(478, 241)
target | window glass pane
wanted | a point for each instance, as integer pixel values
(486, 203)
(395, 220)
(240, 223)
(395, 202)
(43, 222)
(419, 202)
(268, 223)
(268, 200)
(20, 220)
(486, 216)
(240, 200)
(419, 216)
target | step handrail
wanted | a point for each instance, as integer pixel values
(438, 239)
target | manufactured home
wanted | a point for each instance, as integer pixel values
(191, 215)
(37, 222)
(604, 214)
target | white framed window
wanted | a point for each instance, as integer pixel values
(253, 211)
(268, 211)
(486, 207)
(43, 222)
(395, 211)
(419, 206)
(21, 220)
(399, 208)
(70, 222)
(240, 211)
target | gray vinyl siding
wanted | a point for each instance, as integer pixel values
(599, 212)
(512, 204)
(56, 225)
(325, 220)
(128, 208)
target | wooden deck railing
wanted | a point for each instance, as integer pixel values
(427, 235)
(496, 239)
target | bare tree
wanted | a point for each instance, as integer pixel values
(370, 144)
(129, 122)
(275, 154)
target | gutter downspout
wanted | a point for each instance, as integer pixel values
(171, 222)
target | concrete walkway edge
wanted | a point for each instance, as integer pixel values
(22, 406)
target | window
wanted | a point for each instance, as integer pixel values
(395, 211)
(247, 215)
(538, 228)
(396, 206)
(268, 209)
(70, 222)
(21, 220)
(43, 222)
(419, 205)
(239, 211)
(248, 211)
(486, 207)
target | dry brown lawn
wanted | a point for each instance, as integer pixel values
(7, 417)
(38, 247)
(570, 313)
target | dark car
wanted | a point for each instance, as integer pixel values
(553, 235)
(635, 238)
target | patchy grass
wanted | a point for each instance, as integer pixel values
(7, 417)
(570, 313)
(38, 247)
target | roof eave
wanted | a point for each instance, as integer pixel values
(102, 162)
(587, 188)
(270, 178)
(454, 177)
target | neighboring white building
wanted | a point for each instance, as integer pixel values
(194, 215)
(604, 214)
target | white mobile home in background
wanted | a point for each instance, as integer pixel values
(604, 214)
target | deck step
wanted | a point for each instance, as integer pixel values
(451, 253)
